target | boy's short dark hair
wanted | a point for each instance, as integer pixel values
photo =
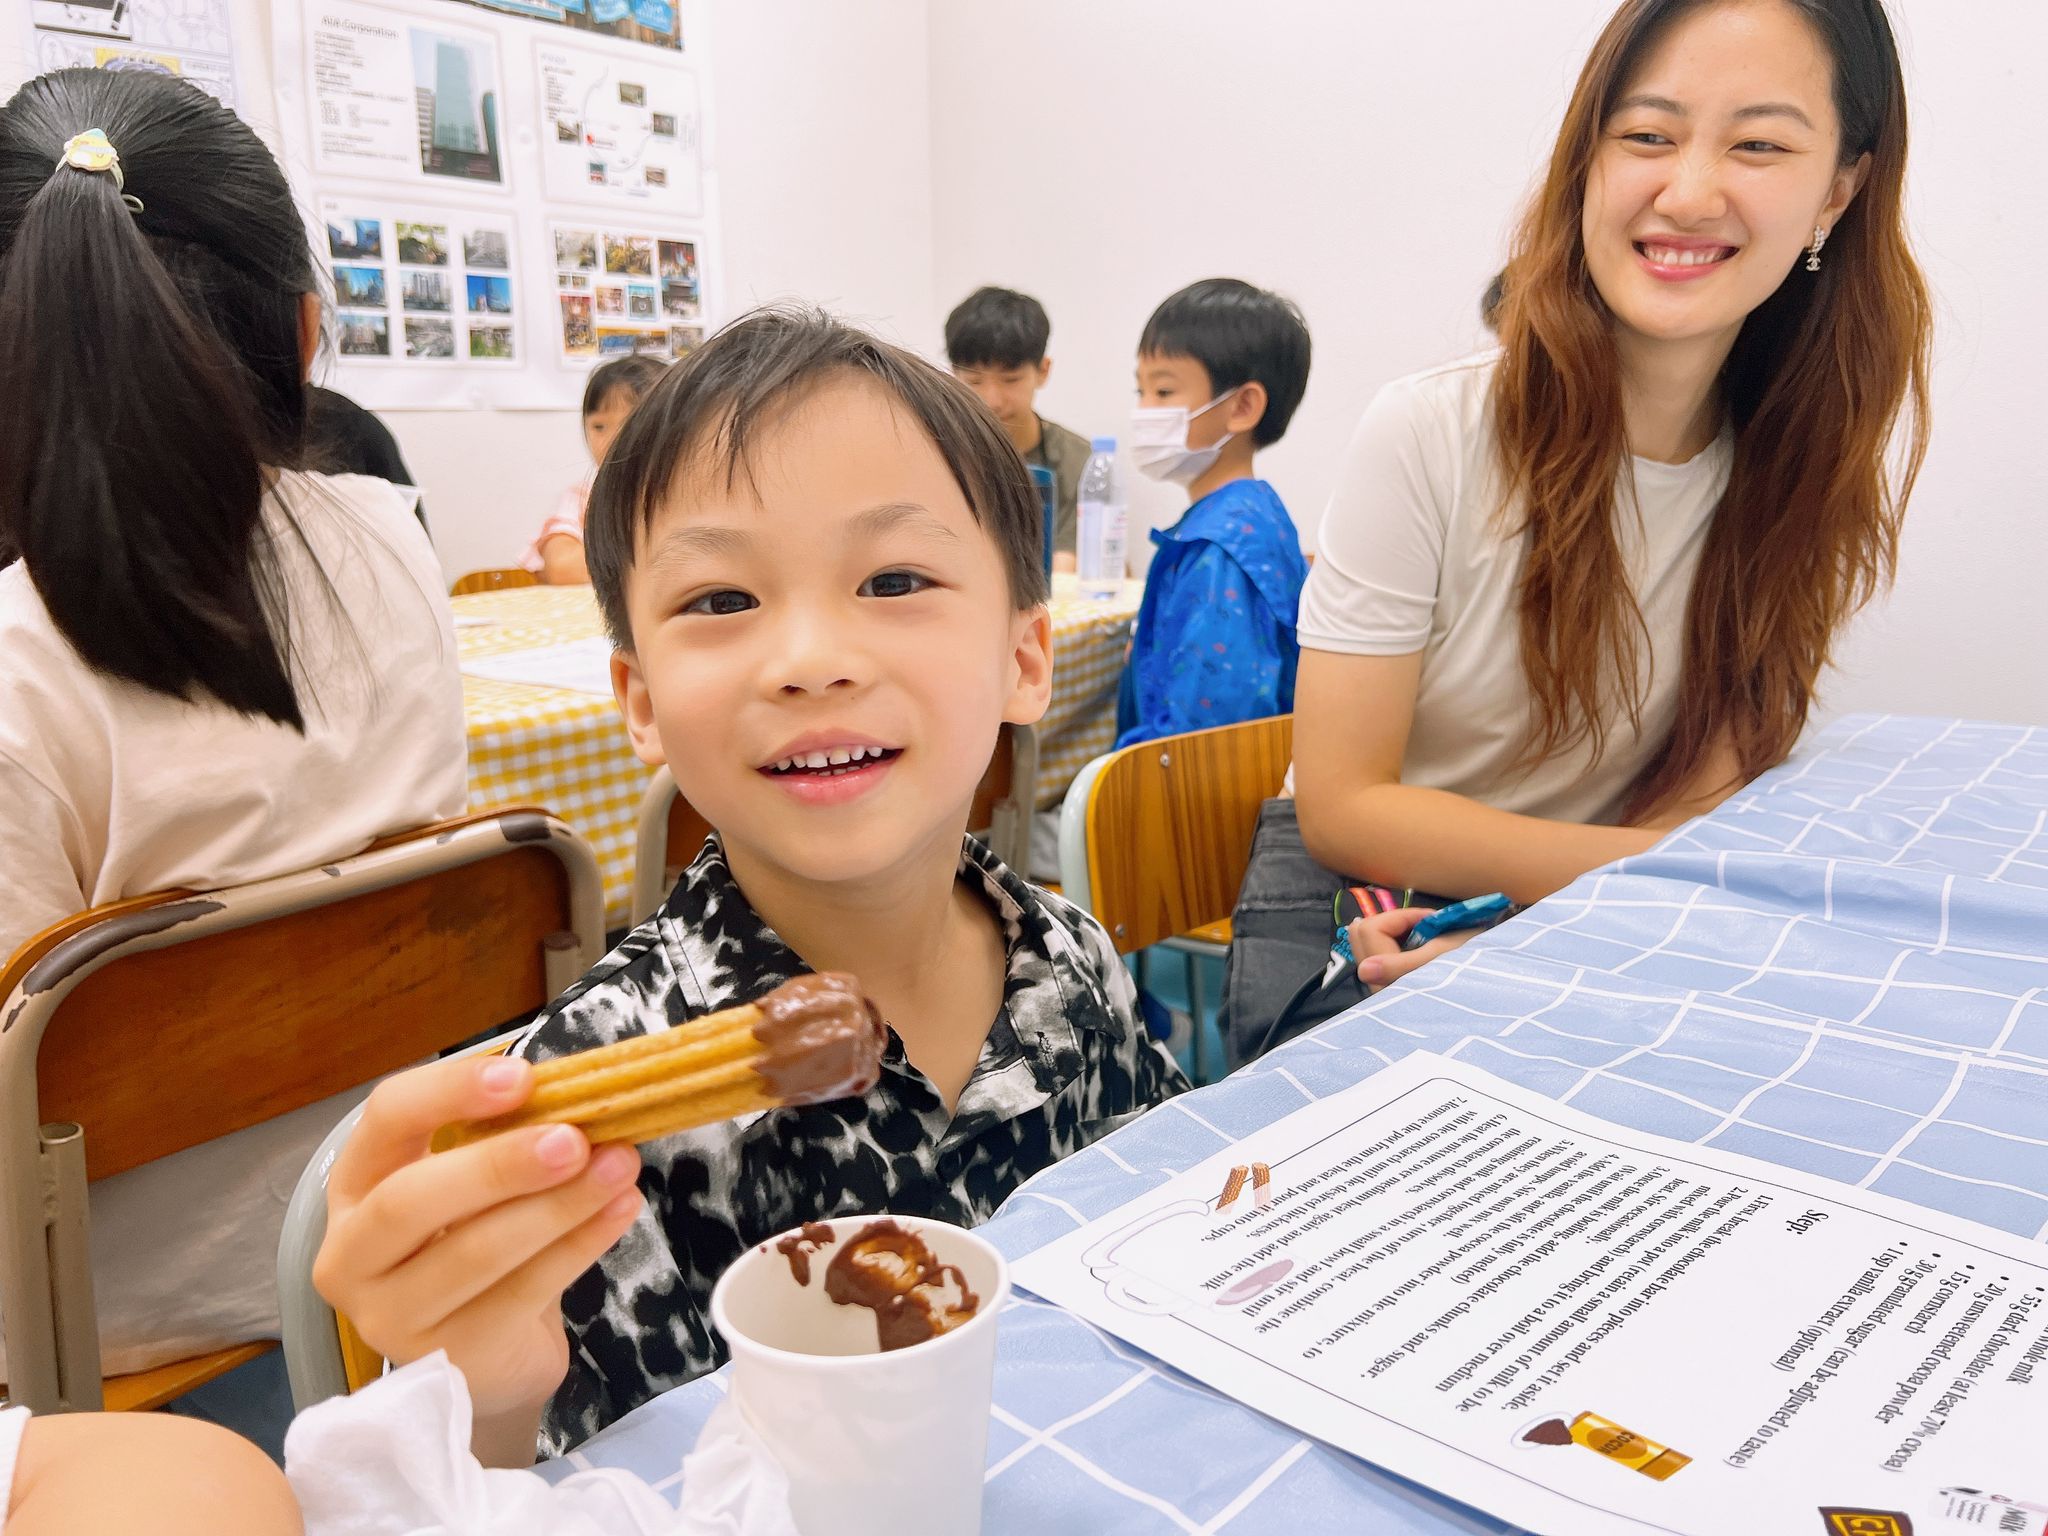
(703, 415)
(1239, 334)
(632, 375)
(997, 328)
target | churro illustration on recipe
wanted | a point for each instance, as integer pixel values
(1609, 1439)
(812, 1039)
(1260, 1177)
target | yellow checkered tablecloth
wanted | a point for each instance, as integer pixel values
(567, 751)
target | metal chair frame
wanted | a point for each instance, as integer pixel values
(53, 1354)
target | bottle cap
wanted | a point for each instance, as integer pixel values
(1104, 445)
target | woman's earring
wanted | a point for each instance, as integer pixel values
(1820, 238)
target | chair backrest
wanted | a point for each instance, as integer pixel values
(324, 1356)
(492, 581)
(1155, 838)
(171, 1020)
(1002, 806)
(670, 832)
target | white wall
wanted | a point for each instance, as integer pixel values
(1367, 161)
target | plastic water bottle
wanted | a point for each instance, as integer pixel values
(1099, 534)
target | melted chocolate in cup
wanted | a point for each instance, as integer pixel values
(894, 1274)
(799, 1245)
(820, 1039)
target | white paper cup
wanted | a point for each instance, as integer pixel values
(874, 1444)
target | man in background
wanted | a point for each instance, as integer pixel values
(995, 342)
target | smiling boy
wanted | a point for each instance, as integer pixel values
(820, 563)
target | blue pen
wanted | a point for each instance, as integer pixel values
(1479, 912)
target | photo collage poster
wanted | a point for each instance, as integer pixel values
(654, 22)
(423, 289)
(192, 39)
(622, 291)
(452, 147)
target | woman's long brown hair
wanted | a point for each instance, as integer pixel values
(1808, 528)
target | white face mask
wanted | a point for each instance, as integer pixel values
(1159, 442)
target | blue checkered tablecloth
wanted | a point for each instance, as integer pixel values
(1844, 969)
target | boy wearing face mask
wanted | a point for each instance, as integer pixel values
(1221, 367)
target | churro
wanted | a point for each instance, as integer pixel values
(1233, 1186)
(812, 1039)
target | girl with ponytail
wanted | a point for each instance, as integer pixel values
(214, 666)
(1573, 591)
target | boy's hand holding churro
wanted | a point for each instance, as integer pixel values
(470, 1249)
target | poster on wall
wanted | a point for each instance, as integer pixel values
(632, 21)
(422, 289)
(441, 149)
(187, 38)
(622, 292)
(396, 98)
(619, 130)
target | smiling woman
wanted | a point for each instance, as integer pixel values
(1708, 148)
(1575, 591)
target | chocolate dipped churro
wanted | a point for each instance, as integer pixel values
(812, 1039)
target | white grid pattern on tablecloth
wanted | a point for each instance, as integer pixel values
(567, 752)
(1844, 969)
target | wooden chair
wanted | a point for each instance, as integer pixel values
(145, 1027)
(670, 832)
(492, 581)
(1004, 800)
(1154, 839)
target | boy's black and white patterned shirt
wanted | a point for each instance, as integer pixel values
(1065, 1062)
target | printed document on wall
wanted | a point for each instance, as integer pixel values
(400, 98)
(620, 130)
(191, 39)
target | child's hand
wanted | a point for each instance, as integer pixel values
(469, 1250)
(1376, 940)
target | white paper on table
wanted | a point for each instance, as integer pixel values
(584, 666)
(1443, 1262)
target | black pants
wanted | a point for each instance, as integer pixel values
(1280, 941)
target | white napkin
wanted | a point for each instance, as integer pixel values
(394, 1460)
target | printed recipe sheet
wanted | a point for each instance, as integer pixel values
(1586, 1330)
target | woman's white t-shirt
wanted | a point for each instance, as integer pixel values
(108, 790)
(1412, 556)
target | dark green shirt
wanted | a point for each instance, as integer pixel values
(1066, 455)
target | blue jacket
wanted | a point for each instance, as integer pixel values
(1215, 642)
